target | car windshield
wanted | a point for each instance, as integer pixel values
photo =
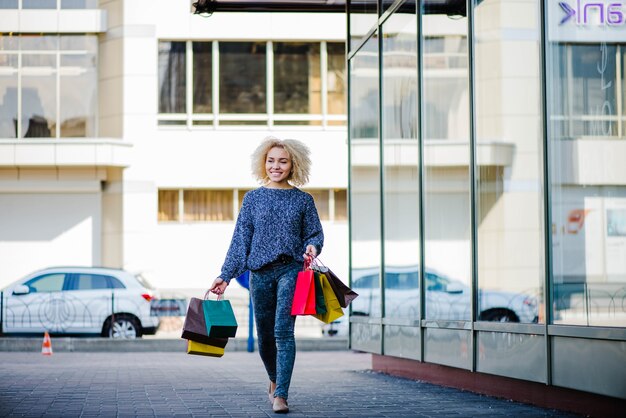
(144, 282)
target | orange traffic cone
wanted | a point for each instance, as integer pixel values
(46, 346)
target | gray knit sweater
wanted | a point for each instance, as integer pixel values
(272, 222)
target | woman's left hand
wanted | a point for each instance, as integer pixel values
(311, 252)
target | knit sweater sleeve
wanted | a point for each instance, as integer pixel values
(312, 231)
(236, 257)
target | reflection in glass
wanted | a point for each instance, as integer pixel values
(78, 104)
(510, 191)
(365, 181)
(336, 78)
(39, 4)
(39, 109)
(202, 77)
(8, 106)
(30, 42)
(172, 77)
(242, 77)
(79, 4)
(446, 167)
(297, 83)
(586, 85)
(363, 17)
(401, 165)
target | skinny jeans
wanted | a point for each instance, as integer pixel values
(272, 295)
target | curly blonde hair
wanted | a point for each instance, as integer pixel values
(300, 161)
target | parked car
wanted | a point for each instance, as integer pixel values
(446, 299)
(80, 300)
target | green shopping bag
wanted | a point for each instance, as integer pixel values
(219, 318)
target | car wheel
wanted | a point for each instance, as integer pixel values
(499, 315)
(124, 327)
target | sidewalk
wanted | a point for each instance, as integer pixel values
(325, 384)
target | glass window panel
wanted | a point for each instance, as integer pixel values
(78, 104)
(8, 4)
(78, 60)
(336, 78)
(341, 205)
(9, 42)
(39, 109)
(168, 205)
(172, 67)
(202, 77)
(363, 17)
(39, 60)
(365, 181)
(243, 77)
(446, 172)
(401, 165)
(586, 103)
(586, 86)
(509, 195)
(297, 82)
(39, 4)
(79, 4)
(30, 42)
(83, 43)
(91, 282)
(208, 205)
(47, 283)
(240, 194)
(8, 106)
(321, 199)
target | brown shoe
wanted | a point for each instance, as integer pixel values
(280, 405)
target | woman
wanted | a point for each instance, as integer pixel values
(277, 229)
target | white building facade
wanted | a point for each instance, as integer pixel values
(126, 129)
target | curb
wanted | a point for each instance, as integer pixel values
(99, 345)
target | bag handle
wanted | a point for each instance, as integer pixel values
(207, 295)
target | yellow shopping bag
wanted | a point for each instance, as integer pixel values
(333, 309)
(204, 349)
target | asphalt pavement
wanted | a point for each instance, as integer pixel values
(166, 384)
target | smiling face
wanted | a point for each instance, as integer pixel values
(278, 167)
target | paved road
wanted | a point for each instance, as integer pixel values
(325, 384)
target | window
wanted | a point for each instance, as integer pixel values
(242, 77)
(205, 205)
(208, 205)
(47, 283)
(588, 87)
(305, 81)
(172, 77)
(91, 282)
(297, 83)
(168, 205)
(48, 86)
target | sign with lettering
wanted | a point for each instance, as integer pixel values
(587, 21)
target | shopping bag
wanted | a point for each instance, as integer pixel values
(333, 309)
(320, 304)
(200, 349)
(344, 294)
(219, 318)
(194, 327)
(304, 295)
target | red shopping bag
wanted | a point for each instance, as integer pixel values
(304, 296)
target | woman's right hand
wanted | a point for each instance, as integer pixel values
(219, 286)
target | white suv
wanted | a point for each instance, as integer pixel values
(80, 300)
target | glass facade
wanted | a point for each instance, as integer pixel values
(487, 144)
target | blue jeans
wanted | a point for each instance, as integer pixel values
(272, 295)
